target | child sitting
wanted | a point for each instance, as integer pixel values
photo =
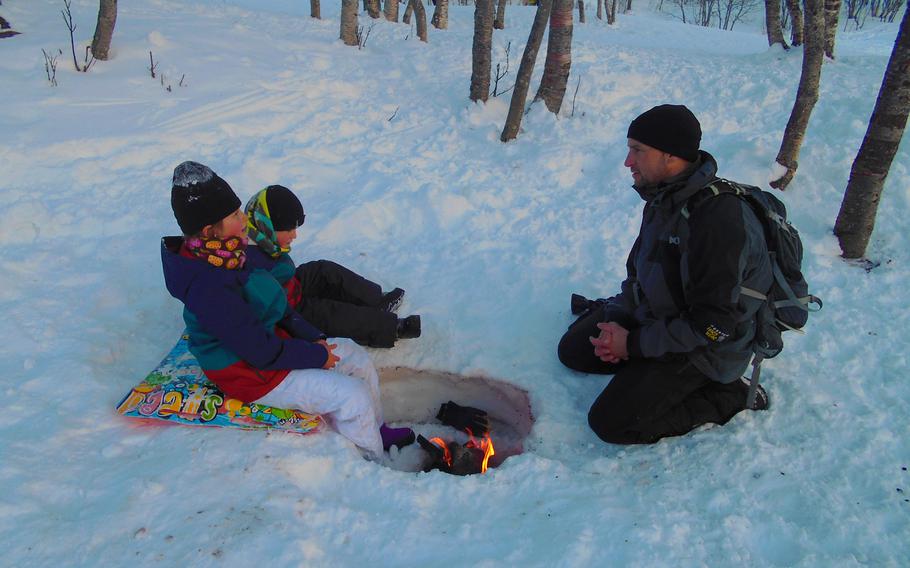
(331, 297)
(244, 335)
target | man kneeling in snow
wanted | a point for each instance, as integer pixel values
(679, 334)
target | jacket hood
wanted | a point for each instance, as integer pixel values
(180, 272)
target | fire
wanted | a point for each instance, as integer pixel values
(458, 459)
(485, 444)
(445, 448)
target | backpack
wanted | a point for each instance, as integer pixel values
(787, 304)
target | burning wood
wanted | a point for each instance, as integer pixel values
(457, 459)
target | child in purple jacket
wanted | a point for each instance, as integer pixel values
(242, 331)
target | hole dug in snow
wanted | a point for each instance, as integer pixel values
(412, 397)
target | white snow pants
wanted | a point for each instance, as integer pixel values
(347, 396)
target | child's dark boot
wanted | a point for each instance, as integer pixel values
(409, 327)
(391, 300)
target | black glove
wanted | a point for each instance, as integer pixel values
(464, 418)
(579, 304)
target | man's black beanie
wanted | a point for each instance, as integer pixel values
(285, 210)
(670, 128)
(199, 197)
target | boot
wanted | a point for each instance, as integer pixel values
(400, 437)
(391, 300)
(409, 327)
(762, 401)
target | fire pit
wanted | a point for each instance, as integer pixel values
(413, 397)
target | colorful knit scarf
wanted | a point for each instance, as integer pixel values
(223, 253)
(259, 225)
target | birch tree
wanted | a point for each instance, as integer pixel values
(773, 25)
(441, 15)
(856, 218)
(832, 15)
(559, 56)
(349, 22)
(499, 22)
(525, 69)
(391, 10)
(421, 13)
(408, 10)
(806, 93)
(104, 29)
(796, 22)
(481, 52)
(372, 7)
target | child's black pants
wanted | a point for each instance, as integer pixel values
(341, 303)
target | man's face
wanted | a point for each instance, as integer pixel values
(648, 164)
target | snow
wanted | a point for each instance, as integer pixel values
(404, 180)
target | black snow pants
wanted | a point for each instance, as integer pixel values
(648, 399)
(341, 303)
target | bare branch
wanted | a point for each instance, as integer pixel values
(71, 26)
(578, 84)
(50, 66)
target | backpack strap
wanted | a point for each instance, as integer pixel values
(753, 381)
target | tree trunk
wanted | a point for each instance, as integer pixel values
(856, 218)
(611, 13)
(581, 11)
(628, 6)
(832, 15)
(372, 7)
(559, 56)
(481, 52)
(600, 9)
(796, 22)
(806, 93)
(772, 23)
(421, 14)
(500, 21)
(441, 15)
(349, 22)
(409, 9)
(104, 30)
(525, 69)
(391, 10)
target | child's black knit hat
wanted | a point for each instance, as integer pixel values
(285, 210)
(199, 197)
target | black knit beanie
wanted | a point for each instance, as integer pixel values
(670, 128)
(199, 197)
(285, 210)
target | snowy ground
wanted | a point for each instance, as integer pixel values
(404, 180)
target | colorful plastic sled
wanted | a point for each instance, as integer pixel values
(177, 391)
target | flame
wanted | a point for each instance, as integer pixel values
(447, 456)
(485, 444)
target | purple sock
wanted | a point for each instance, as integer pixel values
(400, 437)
